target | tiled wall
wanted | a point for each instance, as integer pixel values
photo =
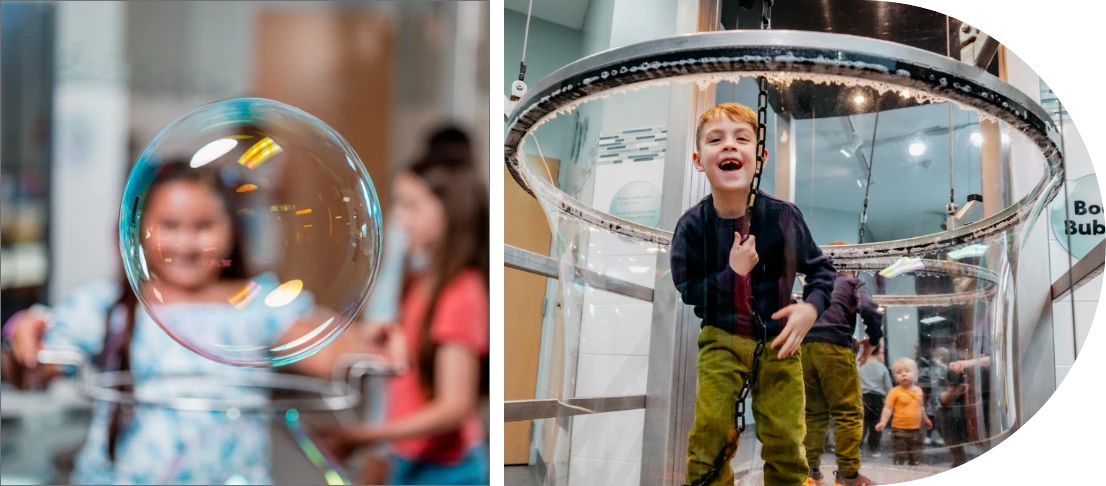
(635, 145)
(614, 331)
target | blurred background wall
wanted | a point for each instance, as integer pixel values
(87, 85)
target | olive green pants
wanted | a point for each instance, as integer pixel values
(724, 361)
(833, 389)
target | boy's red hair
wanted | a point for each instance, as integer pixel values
(734, 111)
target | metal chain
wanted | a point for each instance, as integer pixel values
(762, 132)
(759, 328)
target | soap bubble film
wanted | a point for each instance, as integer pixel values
(256, 211)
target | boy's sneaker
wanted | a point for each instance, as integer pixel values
(815, 478)
(876, 455)
(859, 480)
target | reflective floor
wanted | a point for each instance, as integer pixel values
(878, 473)
(878, 467)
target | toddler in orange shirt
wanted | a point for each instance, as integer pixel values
(906, 403)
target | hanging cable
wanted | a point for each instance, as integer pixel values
(950, 210)
(518, 88)
(952, 193)
(868, 185)
(525, 40)
(948, 53)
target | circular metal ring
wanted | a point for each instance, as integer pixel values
(789, 52)
(324, 395)
(988, 278)
(936, 300)
(941, 267)
(157, 390)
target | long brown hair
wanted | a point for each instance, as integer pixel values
(450, 174)
(117, 352)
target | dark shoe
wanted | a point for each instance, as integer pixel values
(815, 478)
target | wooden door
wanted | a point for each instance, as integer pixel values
(525, 227)
(338, 66)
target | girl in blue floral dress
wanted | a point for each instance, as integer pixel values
(155, 445)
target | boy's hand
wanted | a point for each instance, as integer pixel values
(800, 318)
(743, 256)
(880, 426)
(866, 350)
(929, 424)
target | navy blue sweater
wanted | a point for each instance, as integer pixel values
(838, 324)
(701, 271)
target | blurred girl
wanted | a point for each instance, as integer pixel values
(188, 210)
(432, 421)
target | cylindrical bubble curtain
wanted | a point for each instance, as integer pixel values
(275, 211)
(896, 151)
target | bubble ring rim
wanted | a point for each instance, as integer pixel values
(332, 396)
(752, 51)
(989, 279)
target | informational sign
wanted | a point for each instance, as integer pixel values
(639, 202)
(1080, 224)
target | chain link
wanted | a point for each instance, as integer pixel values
(762, 132)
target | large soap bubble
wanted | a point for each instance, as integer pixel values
(251, 232)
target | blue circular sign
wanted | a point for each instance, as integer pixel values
(1080, 224)
(639, 202)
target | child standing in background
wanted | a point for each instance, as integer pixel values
(875, 384)
(907, 404)
(191, 216)
(432, 419)
(832, 381)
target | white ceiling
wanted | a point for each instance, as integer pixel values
(569, 13)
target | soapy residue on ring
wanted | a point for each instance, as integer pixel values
(778, 79)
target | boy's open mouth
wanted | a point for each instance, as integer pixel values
(729, 165)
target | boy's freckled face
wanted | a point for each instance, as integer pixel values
(727, 154)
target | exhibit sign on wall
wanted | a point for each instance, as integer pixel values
(1080, 224)
(634, 159)
(638, 201)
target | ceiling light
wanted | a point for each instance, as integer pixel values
(917, 148)
(859, 184)
(932, 320)
(859, 99)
